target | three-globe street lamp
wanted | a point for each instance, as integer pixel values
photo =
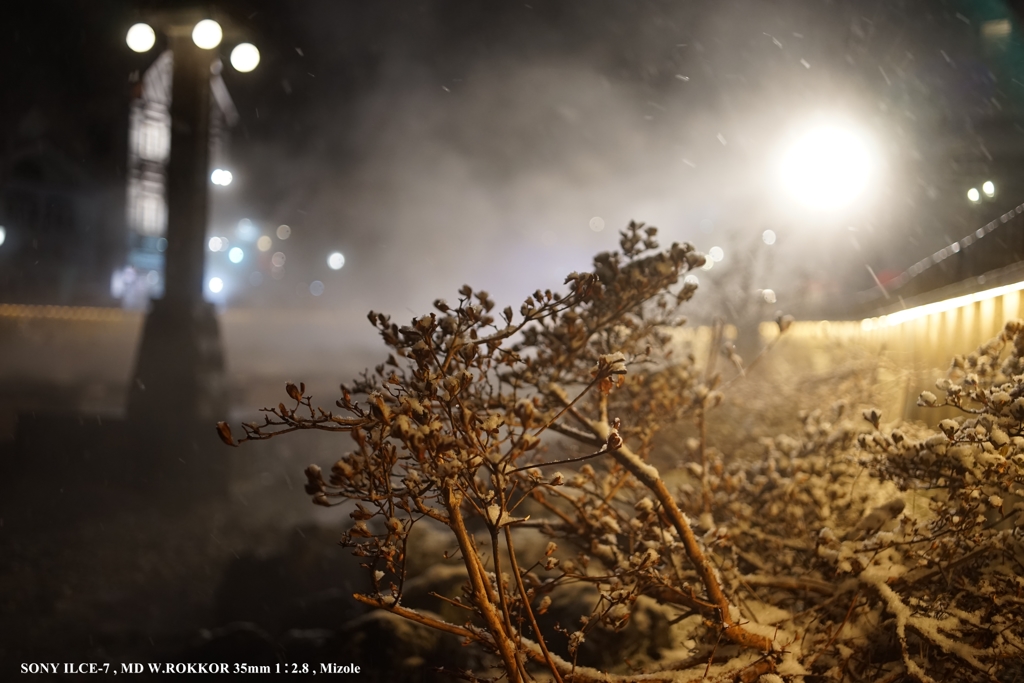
(179, 370)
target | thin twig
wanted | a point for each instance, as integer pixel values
(561, 462)
(527, 607)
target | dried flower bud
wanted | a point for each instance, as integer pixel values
(872, 415)
(315, 481)
(610, 364)
(224, 432)
(999, 399)
(575, 640)
(695, 260)
(360, 513)
(545, 603)
(949, 427)
(293, 391)
(875, 519)
(360, 530)
(643, 505)
(524, 410)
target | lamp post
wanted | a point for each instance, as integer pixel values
(178, 382)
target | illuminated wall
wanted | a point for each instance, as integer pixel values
(916, 344)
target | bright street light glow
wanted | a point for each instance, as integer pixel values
(716, 254)
(989, 188)
(236, 255)
(827, 168)
(141, 38)
(221, 177)
(245, 57)
(768, 236)
(207, 34)
(336, 260)
(973, 194)
(215, 285)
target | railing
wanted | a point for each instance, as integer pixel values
(979, 256)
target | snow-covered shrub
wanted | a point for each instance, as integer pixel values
(891, 553)
(847, 551)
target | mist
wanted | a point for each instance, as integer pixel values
(482, 155)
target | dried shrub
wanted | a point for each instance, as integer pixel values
(846, 552)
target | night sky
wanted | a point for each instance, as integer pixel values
(435, 143)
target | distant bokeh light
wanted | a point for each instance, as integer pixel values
(207, 34)
(336, 260)
(264, 243)
(236, 255)
(215, 285)
(769, 295)
(989, 188)
(221, 177)
(316, 288)
(828, 167)
(974, 195)
(597, 224)
(283, 232)
(246, 230)
(716, 254)
(217, 243)
(768, 236)
(3, 234)
(245, 57)
(277, 259)
(141, 38)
